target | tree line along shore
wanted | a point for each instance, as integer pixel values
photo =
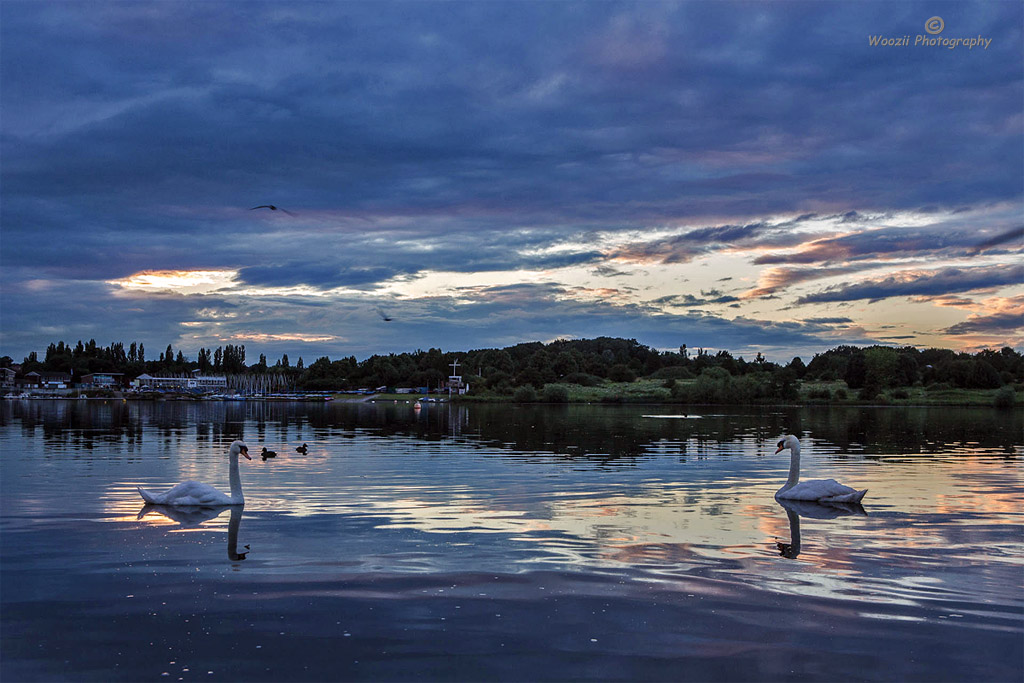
(604, 369)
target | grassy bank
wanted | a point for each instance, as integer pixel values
(809, 393)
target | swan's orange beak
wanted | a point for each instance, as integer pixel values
(779, 449)
(245, 451)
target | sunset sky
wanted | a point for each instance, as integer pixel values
(757, 177)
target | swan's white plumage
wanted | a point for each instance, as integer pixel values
(189, 493)
(819, 490)
(193, 493)
(823, 490)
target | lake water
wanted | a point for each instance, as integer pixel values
(509, 543)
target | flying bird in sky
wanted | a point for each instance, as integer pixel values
(384, 316)
(272, 208)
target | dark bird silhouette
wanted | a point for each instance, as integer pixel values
(301, 449)
(268, 454)
(272, 208)
(384, 316)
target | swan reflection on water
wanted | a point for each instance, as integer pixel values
(805, 508)
(193, 516)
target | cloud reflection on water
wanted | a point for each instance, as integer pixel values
(659, 535)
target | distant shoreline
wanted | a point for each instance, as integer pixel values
(623, 393)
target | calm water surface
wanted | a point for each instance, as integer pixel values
(509, 543)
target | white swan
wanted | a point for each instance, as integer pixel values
(192, 493)
(820, 490)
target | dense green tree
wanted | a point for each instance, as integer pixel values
(720, 376)
(881, 365)
(983, 376)
(621, 373)
(31, 363)
(1005, 398)
(530, 375)
(856, 370)
(525, 394)
(907, 368)
(497, 378)
(497, 360)
(724, 360)
(564, 364)
(554, 393)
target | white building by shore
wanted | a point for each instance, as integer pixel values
(192, 382)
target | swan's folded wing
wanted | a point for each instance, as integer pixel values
(822, 489)
(188, 494)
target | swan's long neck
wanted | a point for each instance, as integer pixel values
(794, 467)
(236, 480)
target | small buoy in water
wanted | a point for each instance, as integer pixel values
(417, 406)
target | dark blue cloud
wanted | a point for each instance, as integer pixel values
(453, 118)
(1001, 322)
(689, 300)
(831, 321)
(999, 239)
(872, 244)
(70, 310)
(512, 313)
(322, 275)
(933, 283)
(693, 243)
(473, 137)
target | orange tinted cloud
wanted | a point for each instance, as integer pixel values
(177, 281)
